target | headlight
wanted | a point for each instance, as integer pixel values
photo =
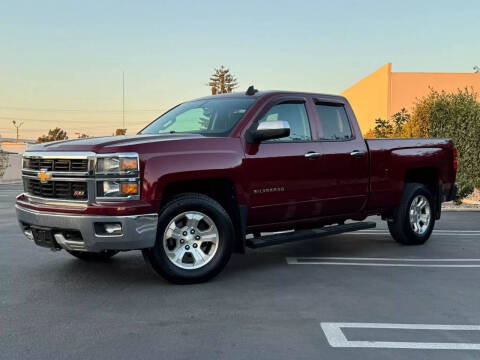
(118, 164)
(118, 176)
(117, 188)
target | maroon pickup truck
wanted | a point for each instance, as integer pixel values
(212, 176)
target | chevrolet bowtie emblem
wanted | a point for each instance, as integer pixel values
(44, 176)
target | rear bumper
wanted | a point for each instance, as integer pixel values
(138, 231)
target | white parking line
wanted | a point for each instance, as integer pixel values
(449, 231)
(336, 337)
(393, 262)
(384, 259)
(435, 232)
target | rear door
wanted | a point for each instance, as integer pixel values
(344, 168)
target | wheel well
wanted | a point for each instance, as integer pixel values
(426, 176)
(429, 178)
(221, 190)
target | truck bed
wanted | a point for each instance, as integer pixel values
(394, 160)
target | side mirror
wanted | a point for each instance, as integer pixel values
(269, 130)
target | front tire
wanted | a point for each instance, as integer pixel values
(415, 217)
(194, 239)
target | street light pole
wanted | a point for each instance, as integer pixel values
(17, 126)
(123, 100)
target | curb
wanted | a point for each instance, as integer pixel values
(462, 210)
(10, 182)
(471, 202)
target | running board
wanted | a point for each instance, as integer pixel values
(277, 239)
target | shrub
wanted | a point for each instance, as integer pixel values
(3, 162)
(465, 188)
(455, 116)
(389, 128)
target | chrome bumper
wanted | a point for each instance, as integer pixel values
(138, 231)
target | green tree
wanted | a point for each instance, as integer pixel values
(383, 128)
(82, 136)
(455, 116)
(419, 123)
(119, 132)
(370, 134)
(399, 119)
(53, 135)
(222, 81)
(389, 128)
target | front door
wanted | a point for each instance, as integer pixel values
(282, 175)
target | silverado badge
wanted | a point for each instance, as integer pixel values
(44, 176)
(268, 190)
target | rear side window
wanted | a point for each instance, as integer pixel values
(296, 115)
(334, 122)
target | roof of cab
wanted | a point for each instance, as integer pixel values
(270, 93)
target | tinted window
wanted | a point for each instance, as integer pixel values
(334, 122)
(296, 116)
(211, 116)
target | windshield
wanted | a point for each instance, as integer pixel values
(208, 117)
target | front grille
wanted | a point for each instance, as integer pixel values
(72, 165)
(65, 190)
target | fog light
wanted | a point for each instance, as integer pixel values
(117, 189)
(111, 188)
(28, 233)
(113, 229)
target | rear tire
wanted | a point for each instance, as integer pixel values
(194, 239)
(414, 219)
(93, 256)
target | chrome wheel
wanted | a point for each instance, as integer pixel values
(420, 214)
(191, 240)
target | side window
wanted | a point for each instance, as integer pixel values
(296, 115)
(334, 122)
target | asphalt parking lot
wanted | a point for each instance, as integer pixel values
(350, 296)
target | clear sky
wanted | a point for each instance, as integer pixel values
(61, 62)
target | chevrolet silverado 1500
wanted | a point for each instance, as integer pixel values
(211, 176)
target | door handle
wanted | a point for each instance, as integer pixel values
(312, 155)
(357, 153)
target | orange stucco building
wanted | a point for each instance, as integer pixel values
(383, 93)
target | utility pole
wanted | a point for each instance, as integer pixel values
(123, 100)
(17, 126)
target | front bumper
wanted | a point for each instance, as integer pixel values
(138, 231)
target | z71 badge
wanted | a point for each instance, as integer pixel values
(78, 193)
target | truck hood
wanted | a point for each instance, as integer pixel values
(107, 144)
